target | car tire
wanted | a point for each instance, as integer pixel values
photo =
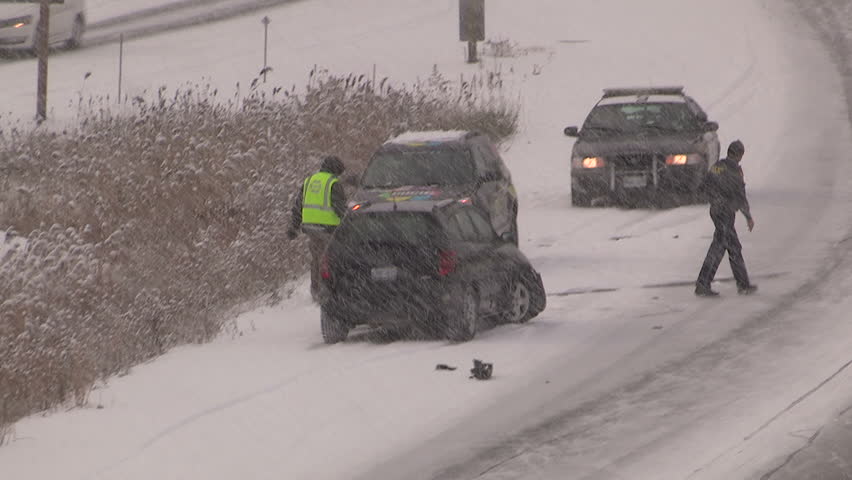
(77, 31)
(666, 200)
(580, 200)
(334, 328)
(520, 301)
(462, 323)
(538, 296)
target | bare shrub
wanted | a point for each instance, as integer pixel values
(134, 232)
(501, 48)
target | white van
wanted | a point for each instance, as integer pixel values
(18, 24)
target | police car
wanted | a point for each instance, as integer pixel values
(18, 23)
(437, 165)
(436, 265)
(642, 144)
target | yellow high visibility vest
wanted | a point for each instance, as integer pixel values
(316, 200)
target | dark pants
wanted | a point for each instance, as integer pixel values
(317, 242)
(724, 239)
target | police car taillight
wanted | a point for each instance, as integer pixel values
(325, 271)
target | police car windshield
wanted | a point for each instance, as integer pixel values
(635, 117)
(388, 228)
(419, 167)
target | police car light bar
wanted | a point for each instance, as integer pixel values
(626, 92)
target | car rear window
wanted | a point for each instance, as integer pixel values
(419, 167)
(419, 229)
(630, 117)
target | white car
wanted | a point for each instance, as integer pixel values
(18, 24)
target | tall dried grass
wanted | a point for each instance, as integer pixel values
(134, 232)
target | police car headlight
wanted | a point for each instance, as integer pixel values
(588, 162)
(684, 159)
(16, 22)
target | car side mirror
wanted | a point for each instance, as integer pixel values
(711, 126)
(508, 237)
(572, 132)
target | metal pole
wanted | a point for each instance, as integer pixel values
(265, 22)
(42, 33)
(120, 64)
(471, 52)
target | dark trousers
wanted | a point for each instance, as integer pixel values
(724, 239)
(318, 239)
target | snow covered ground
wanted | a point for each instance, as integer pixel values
(639, 383)
(101, 10)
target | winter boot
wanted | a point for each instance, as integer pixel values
(705, 291)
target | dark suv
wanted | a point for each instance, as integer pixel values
(438, 266)
(442, 165)
(642, 144)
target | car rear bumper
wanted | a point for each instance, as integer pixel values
(400, 303)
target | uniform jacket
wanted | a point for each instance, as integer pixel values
(725, 187)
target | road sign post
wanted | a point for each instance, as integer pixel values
(266, 21)
(42, 48)
(120, 65)
(471, 25)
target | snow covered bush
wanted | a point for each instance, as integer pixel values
(137, 229)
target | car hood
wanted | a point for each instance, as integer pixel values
(656, 143)
(411, 192)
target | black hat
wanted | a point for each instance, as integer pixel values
(332, 164)
(736, 149)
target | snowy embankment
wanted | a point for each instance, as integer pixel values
(112, 283)
(668, 383)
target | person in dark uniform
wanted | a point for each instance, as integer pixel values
(317, 212)
(725, 188)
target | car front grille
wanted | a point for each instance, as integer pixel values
(639, 161)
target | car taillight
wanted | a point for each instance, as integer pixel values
(446, 262)
(325, 271)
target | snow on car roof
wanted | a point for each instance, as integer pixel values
(642, 99)
(431, 136)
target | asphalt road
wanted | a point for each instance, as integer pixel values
(827, 454)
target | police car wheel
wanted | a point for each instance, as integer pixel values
(461, 324)
(334, 329)
(520, 302)
(580, 200)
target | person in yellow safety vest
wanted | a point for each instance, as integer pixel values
(317, 212)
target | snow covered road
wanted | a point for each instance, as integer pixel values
(638, 383)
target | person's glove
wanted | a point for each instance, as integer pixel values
(292, 234)
(750, 222)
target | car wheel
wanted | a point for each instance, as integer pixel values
(77, 31)
(666, 200)
(334, 329)
(520, 302)
(580, 200)
(461, 324)
(538, 297)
